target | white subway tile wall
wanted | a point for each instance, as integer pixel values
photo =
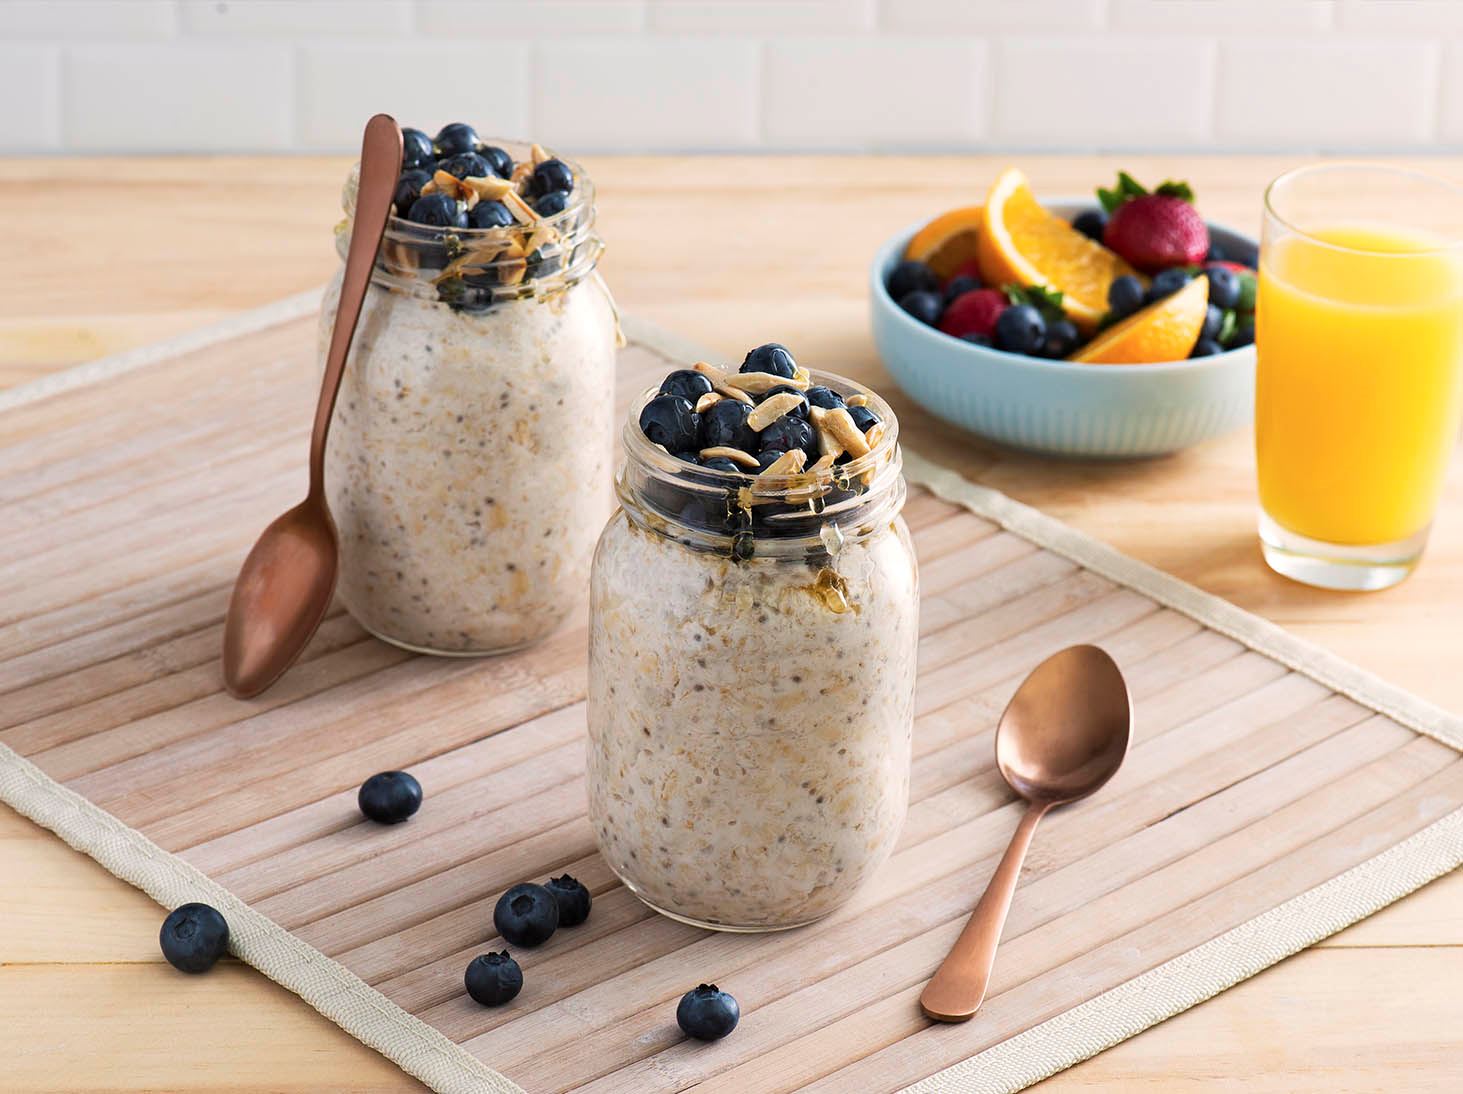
(666, 75)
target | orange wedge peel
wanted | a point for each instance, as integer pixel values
(947, 242)
(1163, 331)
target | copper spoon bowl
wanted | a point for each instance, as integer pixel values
(285, 585)
(1064, 733)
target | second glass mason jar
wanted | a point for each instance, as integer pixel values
(470, 460)
(751, 683)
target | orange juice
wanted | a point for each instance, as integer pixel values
(1359, 338)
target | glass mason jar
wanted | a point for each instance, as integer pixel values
(470, 461)
(751, 682)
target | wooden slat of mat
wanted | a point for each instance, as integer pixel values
(1247, 783)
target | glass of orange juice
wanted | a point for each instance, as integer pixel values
(1359, 383)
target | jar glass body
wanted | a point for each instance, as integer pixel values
(469, 465)
(750, 717)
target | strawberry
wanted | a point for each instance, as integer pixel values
(1154, 231)
(973, 312)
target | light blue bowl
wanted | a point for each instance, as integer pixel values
(1058, 407)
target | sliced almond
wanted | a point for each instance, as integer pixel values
(789, 463)
(858, 398)
(821, 464)
(487, 189)
(874, 435)
(760, 382)
(520, 208)
(710, 399)
(773, 407)
(719, 384)
(736, 455)
(829, 447)
(802, 378)
(537, 155)
(841, 424)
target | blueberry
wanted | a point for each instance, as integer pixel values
(688, 457)
(408, 189)
(725, 424)
(768, 456)
(493, 978)
(671, 421)
(500, 161)
(788, 433)
(1061, 338)
(1223, 286)
(707, 1013)
(924, 306)
(687, 383)
(416, 149)
(1090, 222)
(490, 214)
(572, 897)
(911, 276)
(976, 338)
(549, 176)
(1244, 335)
(1216, 253)
(824, 397)
(863, 417)
(526, 915)
(390, 797)
(1206, 347)
(1213, 320)
(551, 204)
(194, 937)
(438, 211)
(465, 165)
(799, 411)
(962, 284)
(773, 357)
(721, 463)
(1246, 254)
(1124, 296)
(455, 138)
(1020, 329)
(1166, 283)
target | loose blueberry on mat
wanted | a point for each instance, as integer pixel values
(390, 797)
(1124, 296)
(788, 433)
(416, 148)
(194, 937)
(572, 896)
(490, 214)
(1166, 283)
(671, 421)
(549, 176)
(911, 276)
(687, 383)
(958, 285)
(1244, 335)
(551, 204)
(1020, 329)
(455, 138)
(526, 915)
(724, 425)
(1223, 286)
(976, 338)
(1061, 338)
(824, 397)
(863, 417)
(465, 165)
(1091, 222)
(924, 306)
(493, 978)
(768, 456)
(437, 211)
(499, 160)
(707, 1013)
(772, 358)
(1206, 347)
(798, 411)
(408, 189)
(721, 463)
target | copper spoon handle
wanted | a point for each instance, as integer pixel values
(958, 987)
(380, 168)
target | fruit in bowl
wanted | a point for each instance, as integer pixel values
(1134, 279)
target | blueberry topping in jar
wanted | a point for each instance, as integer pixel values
(687, 383)
(437, 211)
(416, 149)
(672, 423)
(455, 138)
(465, 165)
(551, 204)
(863, 417)
(788, 433)
(490, 214)
(551, 175)
(824, 397)
(724, 425)
(408, 189)
(499, 160)
(721, 463)
(772, 358)
(800, 410)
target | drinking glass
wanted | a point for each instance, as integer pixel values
(1359, 343)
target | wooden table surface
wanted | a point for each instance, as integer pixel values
(106, 254)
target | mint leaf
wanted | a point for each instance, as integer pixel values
(1127, 187)
(1172, 189)
(1227, 326)
(1247, 287)
(1043, 299)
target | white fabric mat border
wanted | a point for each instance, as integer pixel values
(424, 1052)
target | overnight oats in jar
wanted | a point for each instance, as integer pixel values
(470, 461)
(753, 631)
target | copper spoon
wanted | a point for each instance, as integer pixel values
(286, 583)
(1064, 733)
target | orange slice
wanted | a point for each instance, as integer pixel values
(1021, 242)
(947, 242)
(1163, 331)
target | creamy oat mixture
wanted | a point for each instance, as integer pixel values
(749, 721)
(469, 464)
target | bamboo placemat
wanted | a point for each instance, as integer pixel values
(1273, 794)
